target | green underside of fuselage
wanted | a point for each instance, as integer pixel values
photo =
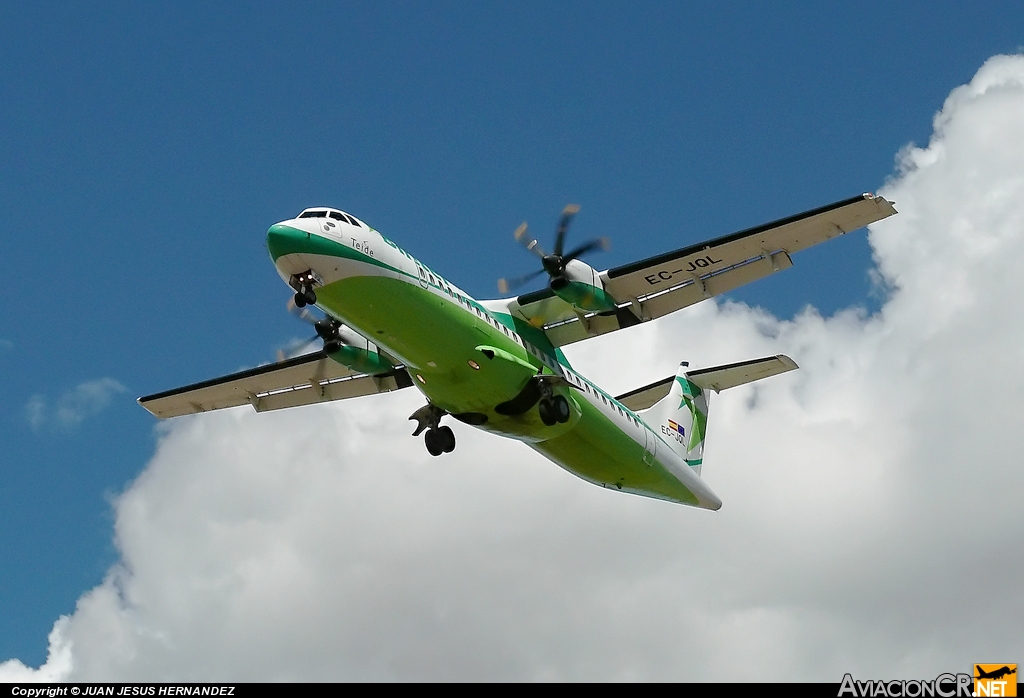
(597, 450)
(437, 338)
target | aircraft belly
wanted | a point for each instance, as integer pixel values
(434, 337)
(599, 451)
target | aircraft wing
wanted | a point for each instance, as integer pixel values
(660, 285)
(303, 380)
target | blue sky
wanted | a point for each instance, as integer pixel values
(145, 148)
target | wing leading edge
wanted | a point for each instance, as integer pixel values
(303, 380)
(657, 286)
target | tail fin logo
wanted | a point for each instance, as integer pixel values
(700, 419)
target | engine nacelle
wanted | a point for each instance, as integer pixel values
(580, 286)
(353, 351)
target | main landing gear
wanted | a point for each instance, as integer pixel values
(437, 439)
(540, 391)
(554, 410)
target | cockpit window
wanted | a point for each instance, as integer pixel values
(336, 215)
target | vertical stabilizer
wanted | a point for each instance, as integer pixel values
(681, 418)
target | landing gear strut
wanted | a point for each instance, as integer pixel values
(437, 439)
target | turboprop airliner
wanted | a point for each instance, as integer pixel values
(390, 322)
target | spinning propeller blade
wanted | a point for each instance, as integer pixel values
(528, 242)
(553, 264)
(568, 213)
(506, 285)
(326, 327)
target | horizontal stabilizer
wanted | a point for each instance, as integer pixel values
(642, 398)
(720, 378)
(304, 380)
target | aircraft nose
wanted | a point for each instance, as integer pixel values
(283, 239)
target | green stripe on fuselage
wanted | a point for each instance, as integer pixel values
(284, 240)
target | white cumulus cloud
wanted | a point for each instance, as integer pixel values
(871, 522)
(71, 408)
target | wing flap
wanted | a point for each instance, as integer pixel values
(698, 288)
(303, 380)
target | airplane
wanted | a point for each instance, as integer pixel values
(995, 674)
(391, 322)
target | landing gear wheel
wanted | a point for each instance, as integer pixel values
(561, 409)
(434, 442)
(304, 296)
(547, 412)
(447, 439)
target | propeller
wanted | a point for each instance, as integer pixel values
(326, 327)
(552, 264)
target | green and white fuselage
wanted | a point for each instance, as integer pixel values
(468, 357)
(392, 323)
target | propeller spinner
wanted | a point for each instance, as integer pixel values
(327, 328)
(343, 345)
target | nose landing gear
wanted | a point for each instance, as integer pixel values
(303, 285)
(437, 439)
(304, 297)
